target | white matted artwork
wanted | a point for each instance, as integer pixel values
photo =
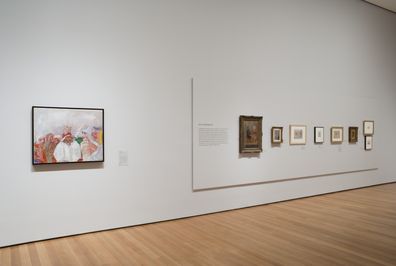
(319, 135)
(298, 134)
(368, 143)
(368, 127)
(337, 135)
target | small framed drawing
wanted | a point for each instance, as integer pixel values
(250, 134)
(353, 134)
(276, 135)
(298, 135)
(368, 127)
(319, 135)
(368, 143)
(337, 135)
(67, 135)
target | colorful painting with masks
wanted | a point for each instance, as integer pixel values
(67, 135)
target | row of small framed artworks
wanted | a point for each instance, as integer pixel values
(250, 134)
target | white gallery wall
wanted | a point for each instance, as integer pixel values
(319, 63)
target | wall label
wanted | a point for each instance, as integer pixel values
(212, 136)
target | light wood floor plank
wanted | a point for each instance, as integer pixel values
(25, 255)
(356, 227)
(5, 256)
(34, 256)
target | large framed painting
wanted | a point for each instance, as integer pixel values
(250, 134)
(67, 135)
(337, 135)
(318, 135)
(353, 134)
(298, 135)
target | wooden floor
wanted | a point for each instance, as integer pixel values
(356, 227)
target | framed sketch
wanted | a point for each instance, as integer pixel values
(276, 135)
(67, 135)
(250, 134)
(298, 135)
(368, 128)
(337, 135)
(318, 135)
(353, 134)
(368, 143)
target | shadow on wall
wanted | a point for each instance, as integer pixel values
(249, 155)
(67, 167)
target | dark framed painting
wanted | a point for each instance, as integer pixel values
(368, 143)
(337, 135)
(276, 135)
(250, 134)
(67, 135)
(318, 135)
(353, 134)
(368, 127)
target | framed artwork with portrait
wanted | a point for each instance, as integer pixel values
(250, 134)
(298, 134)
(276, 135)
(353, 134)
(337, 135)
(67, 135)
(318, 135)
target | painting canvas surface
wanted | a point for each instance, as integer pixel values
(277, 135)
(252, 131)
(298, 134)
(67, 135)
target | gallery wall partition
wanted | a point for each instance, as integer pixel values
(176, 148)
(217, 136)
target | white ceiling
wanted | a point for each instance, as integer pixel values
(387, 4)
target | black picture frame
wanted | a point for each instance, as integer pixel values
(368, 143)
(98, 131)
(317, 138)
